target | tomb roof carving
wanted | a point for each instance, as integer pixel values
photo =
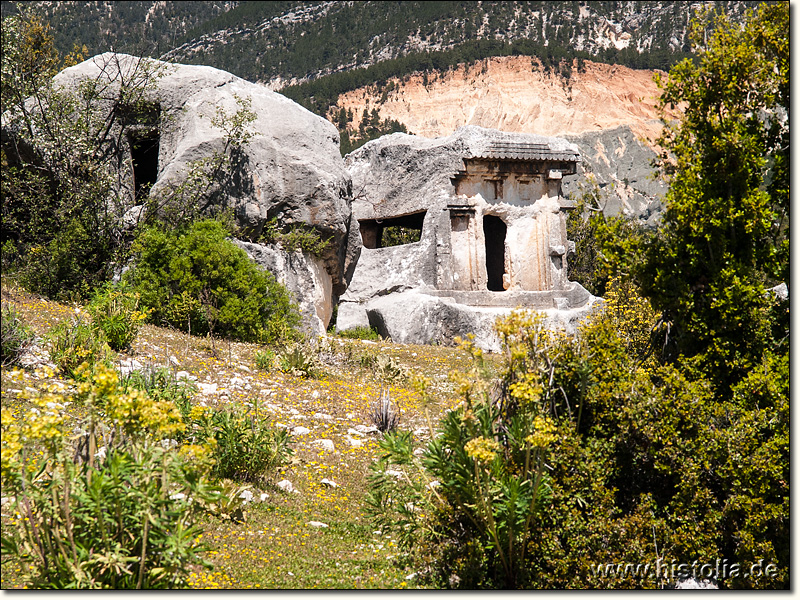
(504, 150)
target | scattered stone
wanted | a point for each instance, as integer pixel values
(780, 291)
(286, 486)
(322, 417)
(354, 443)
(185, 375)
(327, 445)
(329, 483)
(367, 429)
(126, 367)
(207, 388)
(264, 497)
(352, 431)
(393, 473)
(246, 496)
(300, 430)
(317, 524)
(691, 583)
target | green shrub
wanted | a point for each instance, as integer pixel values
(200, 282)
(75, 342)
(298, 361)
(265, 360)
(360, 333)
(115, 311)
(161, 384)
(15, 336)
(296, 238)
(244, 447)
(587, 451)
(112, 511)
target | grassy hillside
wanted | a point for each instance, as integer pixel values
(272, 545)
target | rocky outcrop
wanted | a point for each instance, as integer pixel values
(492, 238)
(305, 277)
(415, 317)
(609, 111)
(617, 165)
(290, 169)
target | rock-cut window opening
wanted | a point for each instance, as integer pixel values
(494, 233)
(141, 120)
(395, 231)
(144, 155)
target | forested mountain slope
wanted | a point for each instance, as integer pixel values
(289, 42)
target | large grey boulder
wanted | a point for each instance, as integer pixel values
(305, 277)
(414, 317)
(486, 203)
(291, 169)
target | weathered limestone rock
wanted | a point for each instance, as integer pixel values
(489, 218)
(290, 169)
(617, 164)
(305, 277)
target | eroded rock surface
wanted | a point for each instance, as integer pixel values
(290, 169)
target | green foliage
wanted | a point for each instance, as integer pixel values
(265, 360)
(299, 361)
(588, 451)
(198, 281)
(296, 238)
(122, 515)
(75, 342)
(387, 368)
(61, 201)
(397, 235)
(115, 312)
(15, 336)
(244, 446)
(724, 237)
(360, 333)
(161, 384)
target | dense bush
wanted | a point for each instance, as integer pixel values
(360, 333)
(244, 447)
(587, 451)
(74, 343)
(198, 281)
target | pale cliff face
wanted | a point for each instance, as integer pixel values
(514, 94)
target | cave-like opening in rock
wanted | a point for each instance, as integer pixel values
(395, 231)
(494, 233)
(144, 155)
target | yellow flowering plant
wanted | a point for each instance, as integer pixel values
(111, 503)
(115, 311)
